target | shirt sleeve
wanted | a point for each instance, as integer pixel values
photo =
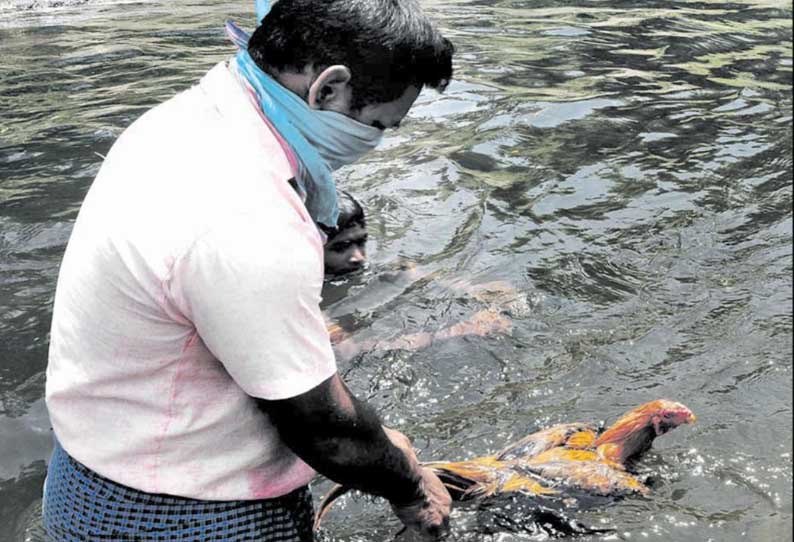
(253, 294)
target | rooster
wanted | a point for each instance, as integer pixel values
(566, 457)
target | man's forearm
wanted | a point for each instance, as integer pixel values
(343, 439)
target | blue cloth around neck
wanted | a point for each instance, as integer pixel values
(322, 140)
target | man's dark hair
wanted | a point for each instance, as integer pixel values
(350, 214)
(388, 45)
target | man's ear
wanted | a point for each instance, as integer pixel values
(330, 89)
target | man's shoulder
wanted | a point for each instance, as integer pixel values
(188, 166)
(174, 124)
(264, 229)
(208, 130)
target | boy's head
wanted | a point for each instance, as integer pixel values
(367, 59)
(345, 249)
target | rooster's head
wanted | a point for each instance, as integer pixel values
(634, 432)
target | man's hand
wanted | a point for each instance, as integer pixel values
(429, 512)
(343, 439)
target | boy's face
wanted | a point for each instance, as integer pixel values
(346, 251)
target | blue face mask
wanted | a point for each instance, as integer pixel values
(322, 140)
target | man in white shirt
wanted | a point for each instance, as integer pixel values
(191, 384)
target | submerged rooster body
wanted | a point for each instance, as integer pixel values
(564, 457)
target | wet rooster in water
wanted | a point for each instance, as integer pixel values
(560, 459)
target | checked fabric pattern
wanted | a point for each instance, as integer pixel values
(82, 506)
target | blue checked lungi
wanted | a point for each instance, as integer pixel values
(82, 506)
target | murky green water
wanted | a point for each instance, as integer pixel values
(626, 166)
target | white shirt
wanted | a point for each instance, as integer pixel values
(191, 283)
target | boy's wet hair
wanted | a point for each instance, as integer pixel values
(350, 214)
(388, 45)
